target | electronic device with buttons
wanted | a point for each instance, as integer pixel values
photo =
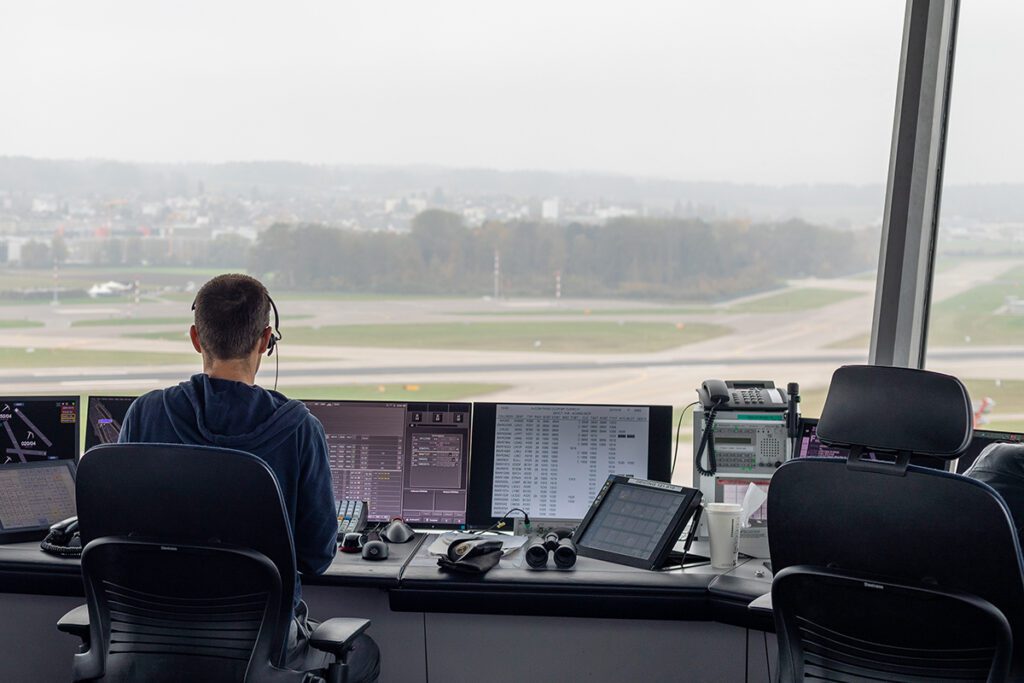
(743, 432)
(352, 516)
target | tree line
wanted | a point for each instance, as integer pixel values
(628, 257)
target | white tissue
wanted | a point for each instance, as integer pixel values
(752, 500)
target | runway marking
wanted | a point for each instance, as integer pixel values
(24, 418)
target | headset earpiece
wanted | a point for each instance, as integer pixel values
(275, 334)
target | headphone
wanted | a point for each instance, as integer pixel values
(557, 542)
(275, 334)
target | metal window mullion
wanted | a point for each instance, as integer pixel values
(914, 187)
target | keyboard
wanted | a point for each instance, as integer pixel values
(351, 516)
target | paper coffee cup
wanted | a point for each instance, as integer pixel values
(724, 533)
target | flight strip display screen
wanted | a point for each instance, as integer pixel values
(38, 428)
(552, 459)
(408, 460)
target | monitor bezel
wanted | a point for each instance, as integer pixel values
(481, 483)
(77, 399)
(469, 449)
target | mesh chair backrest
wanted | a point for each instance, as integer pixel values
(846, 628)
(171, 613)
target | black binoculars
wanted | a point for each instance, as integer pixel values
(557, 542)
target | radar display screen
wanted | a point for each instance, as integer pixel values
(39, 428)
(104, 417)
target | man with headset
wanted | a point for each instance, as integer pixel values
(222, 406)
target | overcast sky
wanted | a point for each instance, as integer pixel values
(775, 91)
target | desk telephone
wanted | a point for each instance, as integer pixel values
(351, 516)
(755, 396)
(761, 395)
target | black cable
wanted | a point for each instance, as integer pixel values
(679, 425)
(706, 442)
(277, 367)
(61, 550)
(501, 522)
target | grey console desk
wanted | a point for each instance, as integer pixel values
(596, 622)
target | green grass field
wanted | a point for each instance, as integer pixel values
(11, 324)
(794, 300)
(67, 358)
(565, 337)
(972, 318)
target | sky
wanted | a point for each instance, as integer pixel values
(773, 92)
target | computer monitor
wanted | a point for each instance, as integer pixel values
(408, 460)
(104, 417)
(551, 459)
(808, 445)
(34, 495)
(38, 428)
(983, 438)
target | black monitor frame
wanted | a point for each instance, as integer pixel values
(88, 414)
(481, 482)
(991, 436)
(426, 406)
(76, 399)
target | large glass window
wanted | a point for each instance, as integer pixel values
(976, 331)
(571, 202)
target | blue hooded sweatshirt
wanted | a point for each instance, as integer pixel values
(207, 411)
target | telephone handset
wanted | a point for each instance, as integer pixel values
(716, 394)
(738, 395)
(63, 539)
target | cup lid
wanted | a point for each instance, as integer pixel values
(723, 507)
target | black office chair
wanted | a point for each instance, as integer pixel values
(189, 570)
(886, 570)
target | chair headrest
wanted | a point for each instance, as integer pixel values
(897, 409)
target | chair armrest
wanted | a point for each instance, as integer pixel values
(761, 604)
(338, 635)
(76, 622)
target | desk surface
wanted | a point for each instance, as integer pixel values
(593, 588)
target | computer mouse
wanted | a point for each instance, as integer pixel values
(397, 532)
(351, 543)
(375, 550)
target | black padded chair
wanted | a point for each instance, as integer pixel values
(189, 570)
(886, 570)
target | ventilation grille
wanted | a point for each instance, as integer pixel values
(832, 656)
(143, 623)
